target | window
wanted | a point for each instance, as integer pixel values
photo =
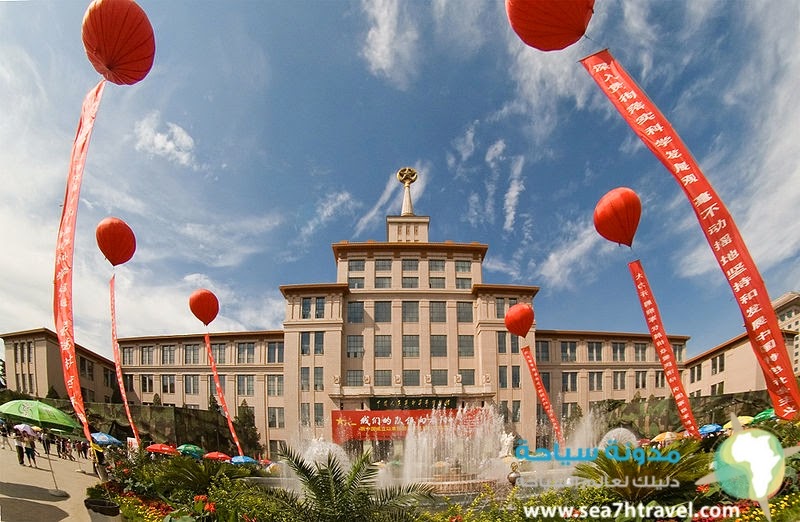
(410, 265)
(275, 385)
(354, 378)
(212, 386)
(305, 378)
(383, 377)
(718, 364)
(695, 373)
(466, 346)
(127, 356)
(502, 376)
(168, 355)
(436, 282)
(355, 265)
(383, 282)
(410, 282)
(167, 384)
(568, 409)
(147, 384)
(355, 282)
(438, 312)
(383, 346)
(515, 410)
(319, 308)
(411, 346)
(514, 344)
(245, 385)
(86, 368)
(439, 377)
(515, 377)
(147, 355)
(640, 352)
(467, 377)
(436, 265)
(463, 266)
(569, 381)
(410, 311)
(191, 354)
(383, 264)
(679, 350)
(305, 343)
(542, 351)
(463, 283)
(275, 447)
(718, 389)
(640, 378)
(661, 380)
(108, 378)
(383, 311)
(569, 351)
(499, 307)
(246, 353)
(127, 381)
(619, 380)
(319, 379)
(319, 343)
(305, 308)
(355, 312)
(595, 350)
(275, 417)
(191, 384)
(355, 346)
(618, 352)
(545, 376)
(464, 312)
(218, 352)
(595, 381)
(319, 414)
(305, 414)
(504, 410)
(410, 377)
(501, 342)
(438, 346)
(275, 352)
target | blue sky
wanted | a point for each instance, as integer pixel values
(268, 130)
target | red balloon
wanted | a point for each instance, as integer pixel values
(519, 319)
(204, 305)
(617, 214)
(119, 40)
(116, 240)
(549, 25)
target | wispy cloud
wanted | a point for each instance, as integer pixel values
(460, 25)
(390, 200)
(574, 258)
(169, 141)
(390, 48)
(515, 188)
(328, 209)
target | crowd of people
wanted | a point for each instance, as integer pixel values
(26, 444)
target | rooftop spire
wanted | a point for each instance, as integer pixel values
(407, 176)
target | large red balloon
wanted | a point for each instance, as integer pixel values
(204, 305)
(119, 40)
(519, 319)
(549, 25)
(116, 240)
(617, 214)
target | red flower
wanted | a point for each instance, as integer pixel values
(200, 498)
(210, 507)
(703, 488)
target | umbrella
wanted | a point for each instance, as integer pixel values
(163, 449)
(708, 429)
(667, 436)
(243, 459)
(39, 413)
(217, 455)
(104, 439)
(191, 450)
(743, 420)
(25, 428)
(765, 415)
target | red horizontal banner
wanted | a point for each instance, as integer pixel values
(389, 424)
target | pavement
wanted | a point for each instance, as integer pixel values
(27, 493)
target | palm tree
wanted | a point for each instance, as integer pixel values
(333, 494)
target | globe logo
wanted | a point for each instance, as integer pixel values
(750, 465)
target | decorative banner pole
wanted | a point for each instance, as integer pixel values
(718, 226)
(205, 306)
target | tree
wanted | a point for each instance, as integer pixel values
(52, 393)
(213, 405)
(116, 395)
(333, 494)
(245, 426)
(156, 400)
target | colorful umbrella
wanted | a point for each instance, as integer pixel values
(164, 449)
(104, 439)
(743, 420)
(217, 455)
(765, 415)
(708, 429)
(243, 459)
(38, 413)
(191, 450)
(667, 436)
(25, 428)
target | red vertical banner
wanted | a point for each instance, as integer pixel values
(544, 399)
(65, 249)
(118, 363)
(221, 395)
(718, 226)
(663, 349)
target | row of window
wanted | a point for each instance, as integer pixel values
(619, 378)
(245, 354)
(409, 312)
(354, 347)
(245, 384)
(384, 264)
(462, 283)
(409, 378)
(23, 351)
(594, 351)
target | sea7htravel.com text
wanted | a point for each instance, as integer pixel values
(619, 509)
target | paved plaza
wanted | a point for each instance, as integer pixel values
(25, 492)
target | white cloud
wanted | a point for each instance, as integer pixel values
(460, 25)
(390, 200)
(174, 143)
(495, 153)
(515, 188)
(327, 209)
(574, 258)
(390, 48)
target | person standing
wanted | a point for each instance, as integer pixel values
(30, 450)
(4, 433)
(19, 445)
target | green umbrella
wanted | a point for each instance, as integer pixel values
(192, 450)
(764, 415)
(38, 413)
